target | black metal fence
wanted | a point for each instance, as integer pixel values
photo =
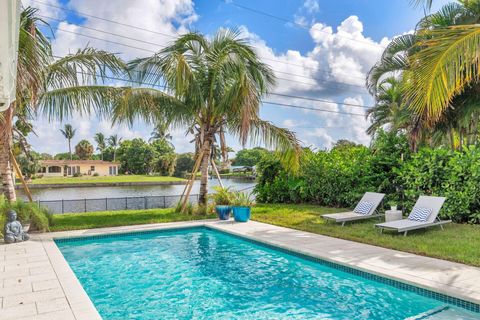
(112, 204)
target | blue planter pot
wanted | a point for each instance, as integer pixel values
(223, 212)
(241, 214)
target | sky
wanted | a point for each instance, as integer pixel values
(320, 51)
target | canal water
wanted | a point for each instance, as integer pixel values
(49, 194)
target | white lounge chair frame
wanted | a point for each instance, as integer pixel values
(405, 225)
(343, 217)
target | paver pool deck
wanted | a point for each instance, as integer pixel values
(37, 283)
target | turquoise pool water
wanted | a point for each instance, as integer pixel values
(205, 274)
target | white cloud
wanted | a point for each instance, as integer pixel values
(311, 6)
(167, 18)
(47, 9)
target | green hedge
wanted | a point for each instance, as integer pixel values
(339, 177)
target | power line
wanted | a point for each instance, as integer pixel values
(153, 51)
(104, 19)
(231, 2)
(263, 101)
(164, 34)
(163, 46)
(314, 109)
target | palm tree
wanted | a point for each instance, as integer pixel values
(434, 71)
(68, 132)
(213, 85)
(447, 63)
(54, 87)
(99, 139)
(160, 132)
(114, 142)
(389, 108)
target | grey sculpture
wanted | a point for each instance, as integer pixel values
(13, 229)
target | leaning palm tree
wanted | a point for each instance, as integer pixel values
(114, 142)
(68, 132)
(213, 85)
(55, 87)
(99, 139)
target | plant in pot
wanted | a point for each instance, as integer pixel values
(241, 208)
(393, 205)
(223, 198)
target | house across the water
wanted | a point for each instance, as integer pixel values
(60, 168)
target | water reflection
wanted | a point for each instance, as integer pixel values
(128, 191)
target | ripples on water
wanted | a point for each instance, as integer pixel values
(203, 274)
(127, 191)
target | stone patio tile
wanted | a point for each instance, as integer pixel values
(45, 285)
(39, 296)
(52, 305)
(57, 315)
(18, 312)
(14, 281)
(14, 290)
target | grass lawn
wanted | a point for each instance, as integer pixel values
(458, 242)
(75, 221)
(104, 179)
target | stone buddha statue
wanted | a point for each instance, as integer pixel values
(13, 229)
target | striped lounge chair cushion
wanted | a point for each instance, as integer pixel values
(363, 207)
(420, 214)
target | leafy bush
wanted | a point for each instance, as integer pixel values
(338, 178)
(77, 174)
(96, 174)
(27, 212)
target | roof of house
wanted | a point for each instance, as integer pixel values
(75, 162)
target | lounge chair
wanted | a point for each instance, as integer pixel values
(412, 222)
(372, 198)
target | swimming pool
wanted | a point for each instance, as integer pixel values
(205, 274)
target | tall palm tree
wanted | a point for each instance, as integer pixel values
(68, 132)
(160, 132)
(114, 142)
(54, 87)
(213, 85)
(389, 108)
(99, 139)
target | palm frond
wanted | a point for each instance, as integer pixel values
(448, 62)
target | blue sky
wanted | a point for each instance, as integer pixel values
(319, 49)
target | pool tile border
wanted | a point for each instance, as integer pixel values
(458, 302)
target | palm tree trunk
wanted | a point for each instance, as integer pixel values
(70, 148)
(8, 182)
(202, 200)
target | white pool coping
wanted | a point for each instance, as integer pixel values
(36, 282)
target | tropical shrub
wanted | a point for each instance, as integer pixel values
(222, 196)
(339, 177)
(27, 212)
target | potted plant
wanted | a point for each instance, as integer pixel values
(242, 206)
(393, 205)
(223, 198)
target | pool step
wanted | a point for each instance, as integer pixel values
(446, 313)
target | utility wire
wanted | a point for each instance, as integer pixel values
(271, 93)
(156, 32)
(264, 101)
(263, 13)
(163, 46)
(153, 51)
